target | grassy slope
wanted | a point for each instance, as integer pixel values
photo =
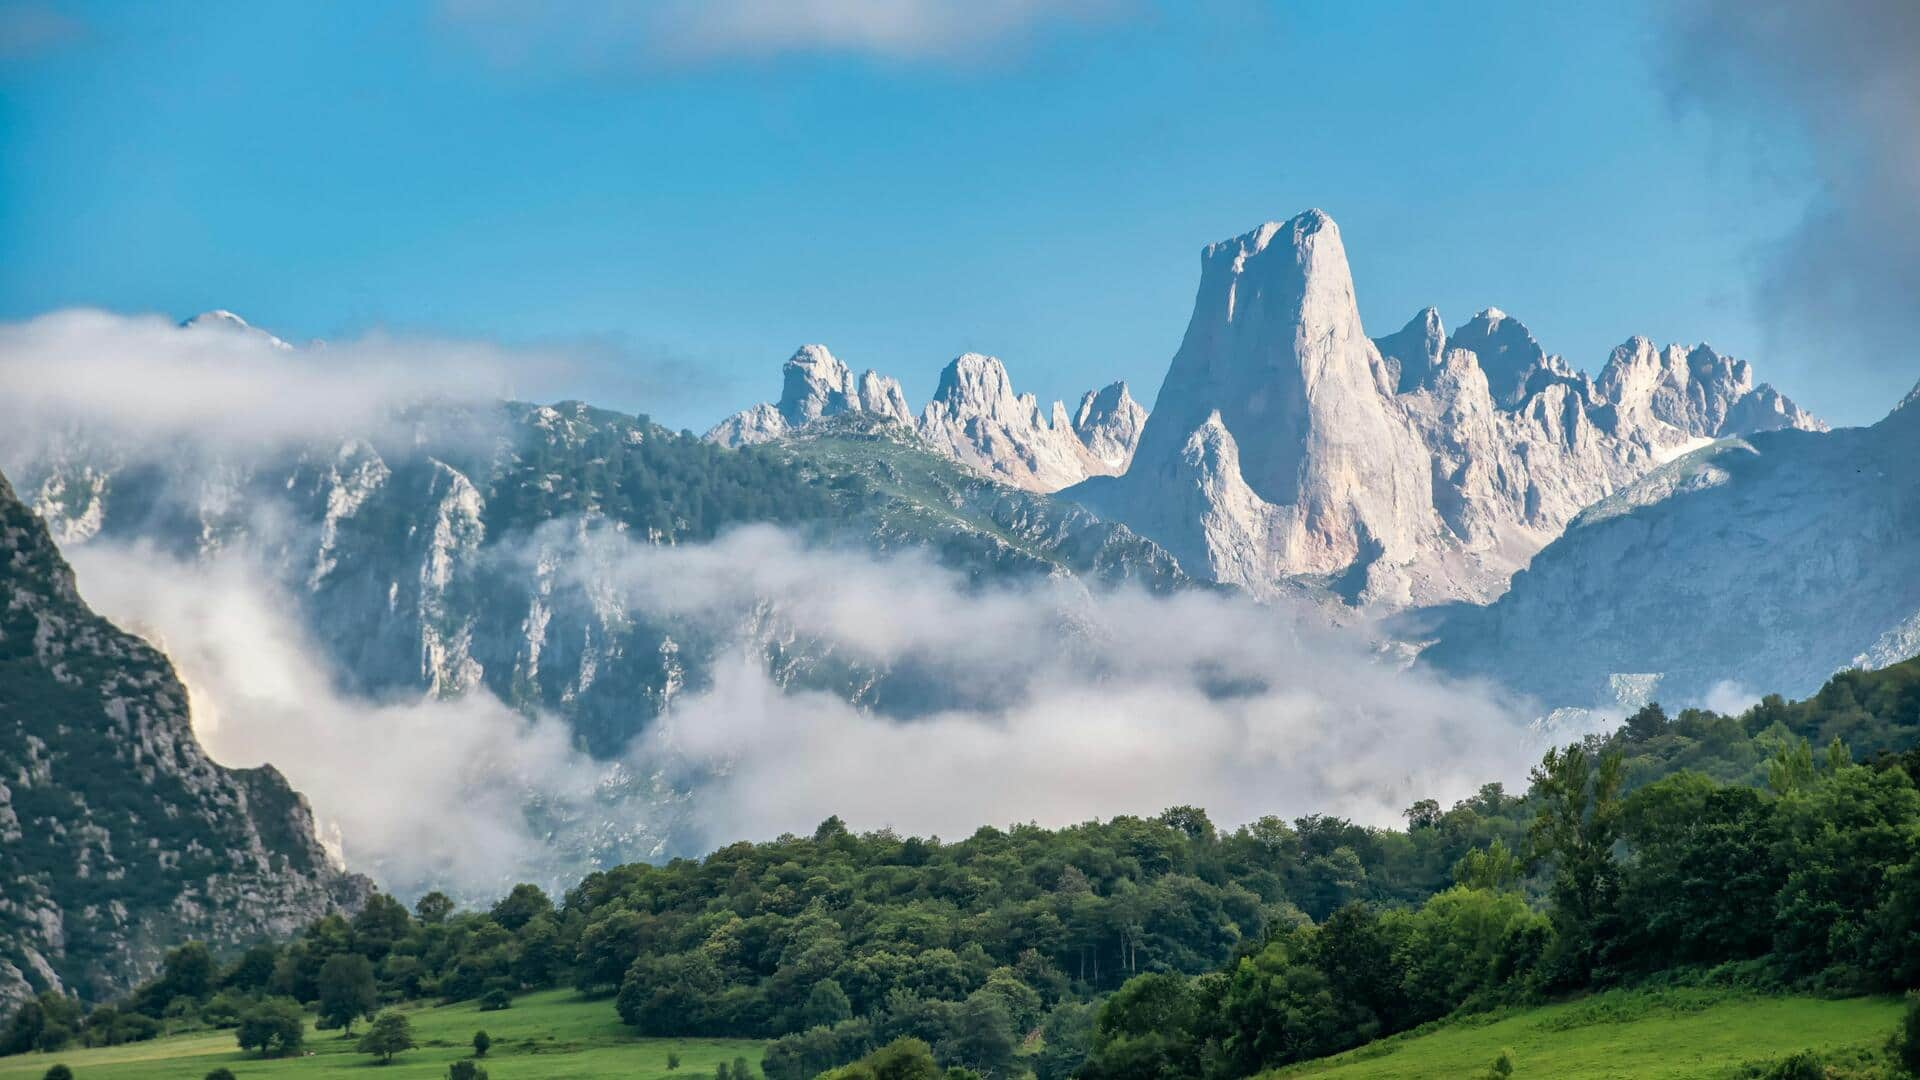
(549, 1036)
(1674, 1033)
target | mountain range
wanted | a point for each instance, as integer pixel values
(1670, 525)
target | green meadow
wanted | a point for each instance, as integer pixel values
(556, 1035)
(1648, 1035)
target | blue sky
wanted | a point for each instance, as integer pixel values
(687, 201)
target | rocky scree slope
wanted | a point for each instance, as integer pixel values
(119, 837)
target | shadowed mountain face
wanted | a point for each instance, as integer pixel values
(1768, 562)
(119, 837)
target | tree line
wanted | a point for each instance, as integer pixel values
(1165, 946)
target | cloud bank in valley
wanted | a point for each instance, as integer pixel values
(1840, 288)
(1076, 704)
(1041, 700)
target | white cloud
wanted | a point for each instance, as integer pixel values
(420, 793)
(611, 34)
(141, 377)
(1063, 703)
(1059, 704)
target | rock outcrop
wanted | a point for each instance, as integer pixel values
(119, 837)
(814, 384)
(975, 418)
(1285, 447)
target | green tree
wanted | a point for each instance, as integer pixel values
(347, 991)
(45, 1022)
(742, 1070)
(1066, 1037)
(275, 1027)
(389, 1034)
(901, 1059)
(1576, 826)
(58, 1072)
(826, 1006)
(465, 1070)
(379, 924)
(1494, 867)
(482, 1042)
(221, 1073)
(673, 1060)
(982, 1037)
(433, 908)
(1502, 1066)
(521, 906)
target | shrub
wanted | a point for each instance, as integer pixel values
(59, 1072)
(496, 999)
(1804, 1065)
(1502, 1066)
(481, 1042)
(465, 1070)
(673, 1061)
(1906, 1038)
(221, 1073)
(390, 1033)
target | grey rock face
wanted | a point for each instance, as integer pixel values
(1768, 562)
(1109, 422)
(976, 419)
(814, 384)
(119, 837)
(1417, 469)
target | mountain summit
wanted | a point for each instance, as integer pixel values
(1286, 447)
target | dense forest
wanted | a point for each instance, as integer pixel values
(1775, 849)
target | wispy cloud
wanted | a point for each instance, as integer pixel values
(1840, 288)
(611, 34)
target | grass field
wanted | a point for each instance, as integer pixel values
(1645, 1035)
(548, 1036)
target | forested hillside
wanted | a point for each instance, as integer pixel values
(1727, 847)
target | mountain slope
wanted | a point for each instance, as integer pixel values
(118, 835)
(442, 557)
(1769, 561)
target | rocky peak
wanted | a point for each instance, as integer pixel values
(975, 385)
(1506, 351)
(1695, 390)
(814, 384)
(1412, 354)
(221, 320)
(976, 418)
(1423, 467)
(1276, 351)
(1109, 423)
